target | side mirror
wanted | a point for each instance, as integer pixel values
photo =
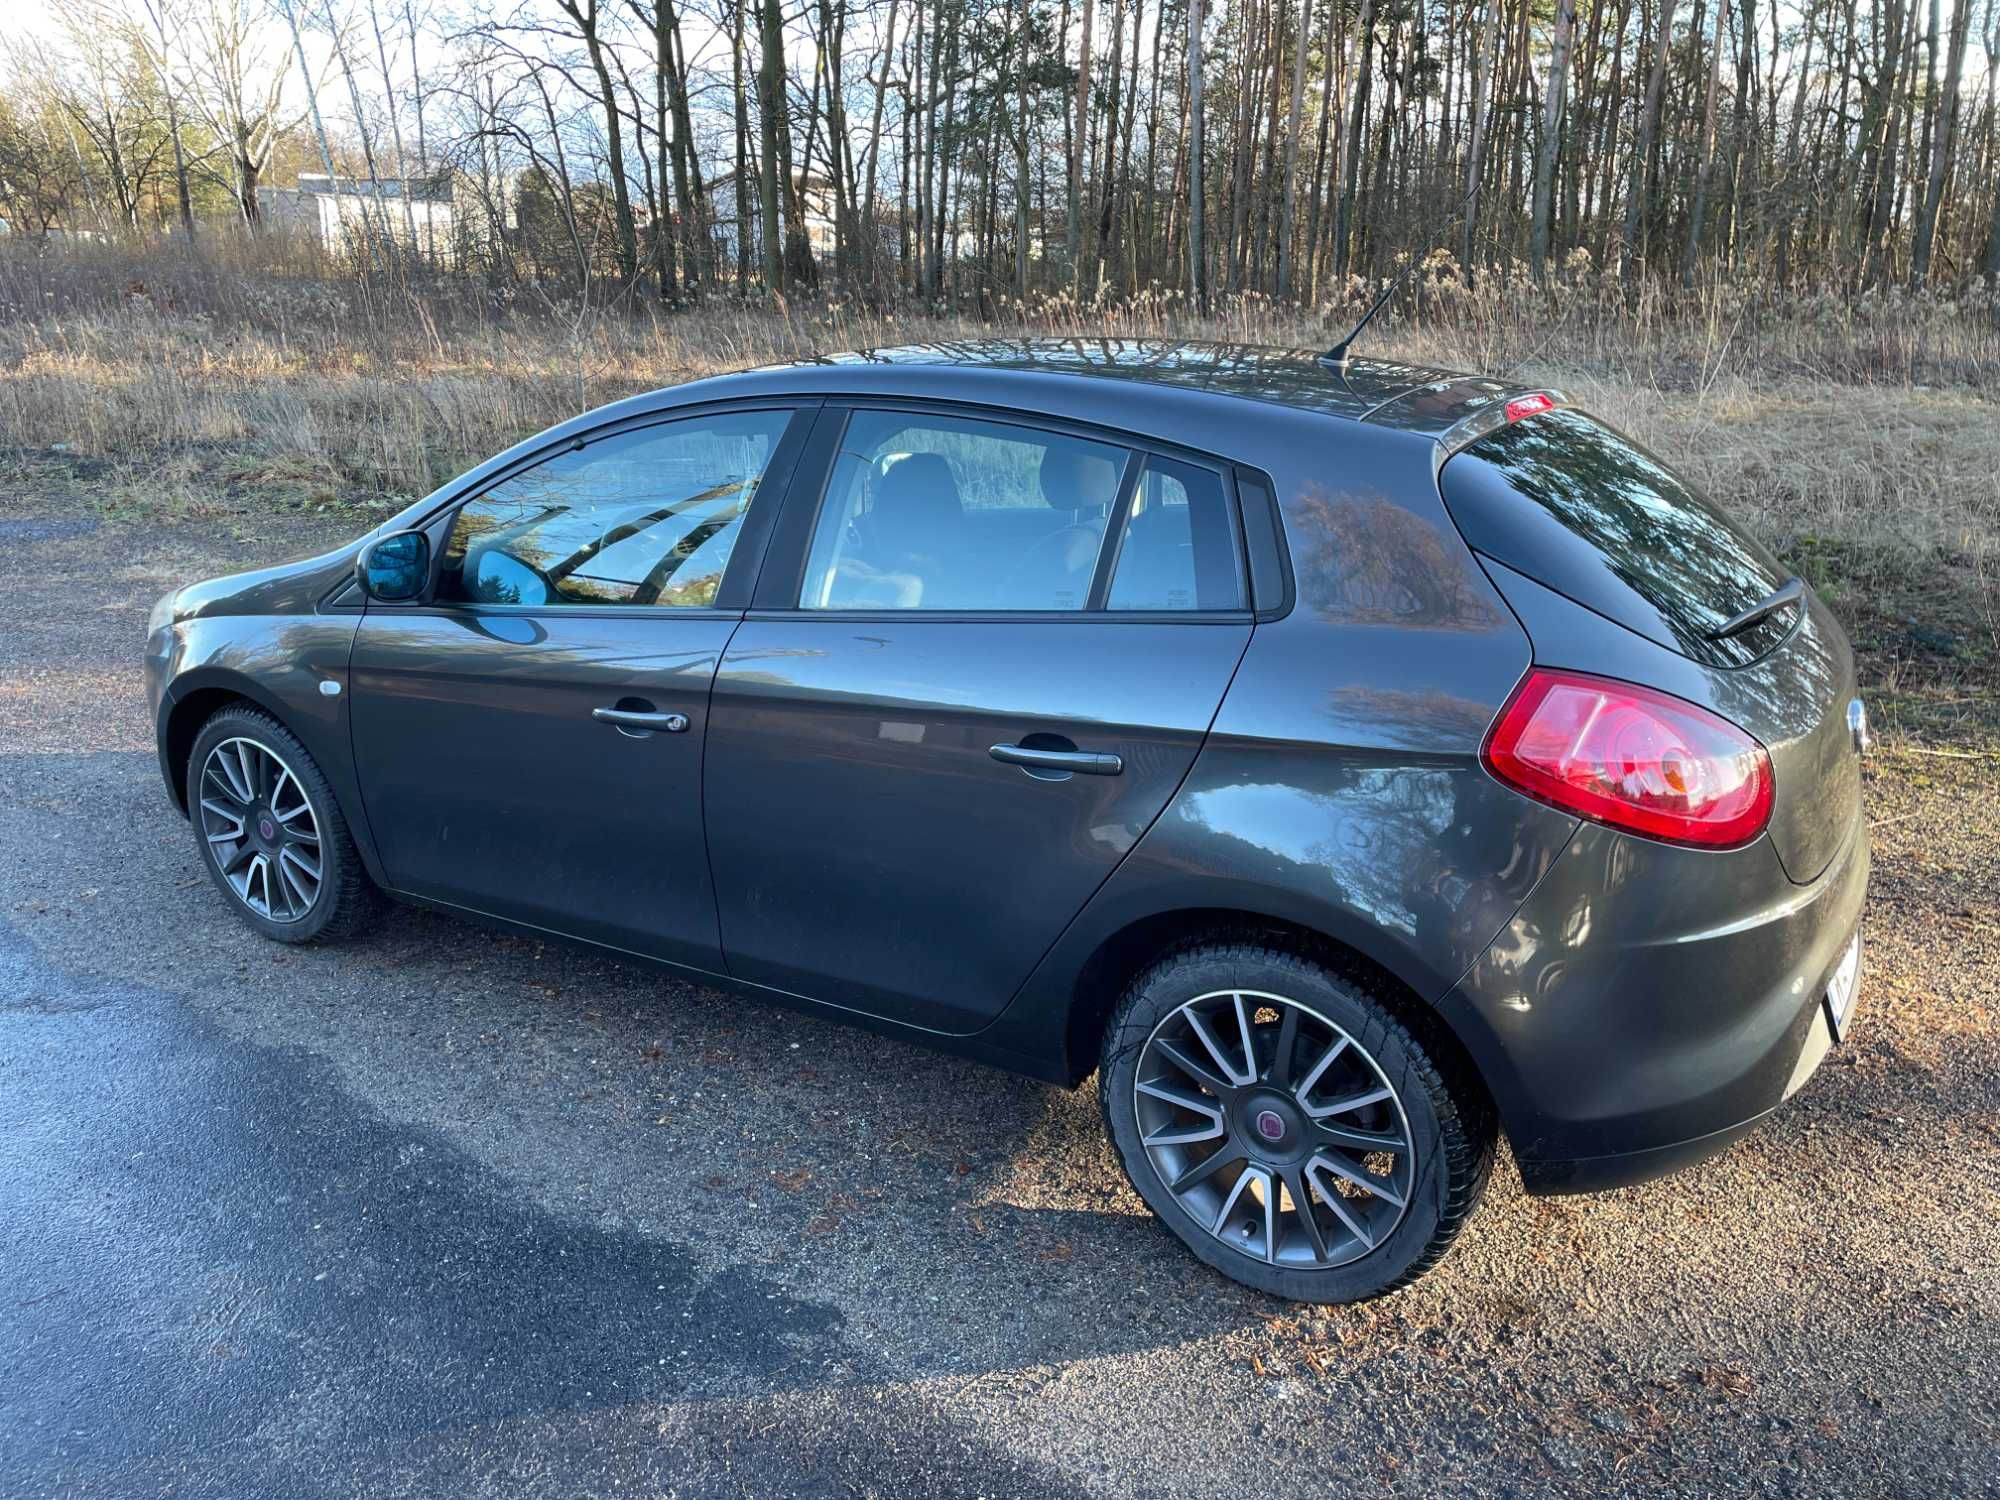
(395, 567)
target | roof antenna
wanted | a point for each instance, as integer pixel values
(1338, 356)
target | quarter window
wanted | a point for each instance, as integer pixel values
(940, 513)
(647, 516)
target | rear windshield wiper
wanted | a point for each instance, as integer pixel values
(1787, 595)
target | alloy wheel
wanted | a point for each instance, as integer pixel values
(1274, 1129)
(261, 829)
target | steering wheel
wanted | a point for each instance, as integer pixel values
(1049, 555)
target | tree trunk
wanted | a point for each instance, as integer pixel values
(1022, 39)
(1642, 157)
(423, 142)
(1079, 145)
(742, 183)
(875, 145)
(1475, 146)
(586, 16)
(1107, 179)
(1783, 268)
(1705, 163)
(771, 108)
(395, 125)
(163, 71)
(248, 183)
(1941, 147)
(1343, 218)
(1552, 126)
(1287, 216)
(1197, 266)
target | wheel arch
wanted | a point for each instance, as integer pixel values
(1125, 953)
(192, 705)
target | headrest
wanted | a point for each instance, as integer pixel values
(1074, 477)
(917, 487)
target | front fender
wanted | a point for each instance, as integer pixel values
(294, 668)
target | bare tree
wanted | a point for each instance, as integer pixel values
(1642, 155)
(1705, 160)
(236, 83)
(1553, 98)
(1198, 146)
(771, 106)
(1080, 141)
(1941, 148)
(1286, 223)
(155, 41)
(586, 16)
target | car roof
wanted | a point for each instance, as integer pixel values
(1389, 392)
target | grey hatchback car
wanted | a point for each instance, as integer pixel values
(1345, 761)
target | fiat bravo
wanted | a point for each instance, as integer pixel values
(1344, 762)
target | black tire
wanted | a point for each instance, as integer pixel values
(342, 900)
(1438, 1110)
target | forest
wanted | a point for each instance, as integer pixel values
(979, 154)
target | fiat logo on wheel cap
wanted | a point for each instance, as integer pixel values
(1270, 1125)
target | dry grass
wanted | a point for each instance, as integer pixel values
(313, 411)
(1862, 439)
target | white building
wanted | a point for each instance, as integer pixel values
(415, 212)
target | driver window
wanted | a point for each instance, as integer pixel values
(646, 516)
(934, 512)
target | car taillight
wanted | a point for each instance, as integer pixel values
(1637, 759)
(1528, 406)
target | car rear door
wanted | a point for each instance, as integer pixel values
(954, 707)
(529, 737)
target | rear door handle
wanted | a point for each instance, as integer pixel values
(1081, 762)
(628, 718)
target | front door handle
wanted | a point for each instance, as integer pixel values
(1082, 762)
(630, 718)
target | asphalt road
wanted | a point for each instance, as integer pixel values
(442, 1214)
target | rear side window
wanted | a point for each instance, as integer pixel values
(947, 513)
(1571, 504)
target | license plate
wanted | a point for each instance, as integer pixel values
(1840, 990)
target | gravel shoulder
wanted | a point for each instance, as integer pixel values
(443, 1213)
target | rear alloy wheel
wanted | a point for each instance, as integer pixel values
(270, 834)
(1289, 1126)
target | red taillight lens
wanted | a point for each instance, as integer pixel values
(1633, 758)
(1527, 406)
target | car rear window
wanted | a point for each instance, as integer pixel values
(1565, 500)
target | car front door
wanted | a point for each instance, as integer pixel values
(529, 738)
(981, 660)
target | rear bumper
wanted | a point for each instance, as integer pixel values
(1649, 1005)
